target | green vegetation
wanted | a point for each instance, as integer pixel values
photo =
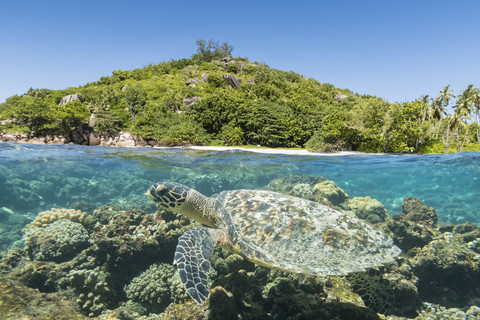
(271, 108)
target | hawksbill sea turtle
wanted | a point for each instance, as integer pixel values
(270, 229)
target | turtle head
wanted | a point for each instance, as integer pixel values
(169, 195)
(177, 198)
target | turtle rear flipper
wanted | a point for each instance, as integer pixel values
(192, 257)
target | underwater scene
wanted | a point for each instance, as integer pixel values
(80, 239)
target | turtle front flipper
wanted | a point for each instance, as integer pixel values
(192, 257)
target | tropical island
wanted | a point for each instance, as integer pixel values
(214, 99)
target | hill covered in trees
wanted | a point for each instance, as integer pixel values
(213, 99)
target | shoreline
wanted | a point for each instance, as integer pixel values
(261, 150)
(125, 139)
(278, 151)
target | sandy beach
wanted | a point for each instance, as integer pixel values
(277, 151)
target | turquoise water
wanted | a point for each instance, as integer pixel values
(34, 178)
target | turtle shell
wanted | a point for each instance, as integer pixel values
(297, 235)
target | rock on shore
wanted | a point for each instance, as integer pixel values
(122, 139)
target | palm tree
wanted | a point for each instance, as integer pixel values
(446, 135)
(476, 110)
(445, 95)
(463, 109)
(440, 105)
(425, 105)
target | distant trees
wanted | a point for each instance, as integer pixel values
(211, 50)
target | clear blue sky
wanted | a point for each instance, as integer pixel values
(397, 50)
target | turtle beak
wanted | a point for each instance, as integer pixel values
(151, 193)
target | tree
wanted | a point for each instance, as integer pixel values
(65, 119)
(445, 96)
(211, 50)
(30, 112)
(368, 117)
(476, 110)
(426, 110)
(135, 99)
(446, 135)
(438, 111)
(410, 125)
(441, 105)
(107, 110)
(464, 108)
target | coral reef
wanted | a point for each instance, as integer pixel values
(18, 301)
(415, 227)
(127, 242)
(448, 268)
(116, 264)
(58, 241)
(433, 312)
(418, 212)
(367, 209)
(303, 190)
(44, 218)
(329, 191)
(155, 288)
(93, 289)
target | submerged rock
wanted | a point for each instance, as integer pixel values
(416, 211)
(415, 227)
(448, 268)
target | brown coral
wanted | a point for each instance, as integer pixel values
(44, 218)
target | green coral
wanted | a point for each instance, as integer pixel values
(58, 241)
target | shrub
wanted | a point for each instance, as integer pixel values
(432, 146)
(231, 135)
(316, 142)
